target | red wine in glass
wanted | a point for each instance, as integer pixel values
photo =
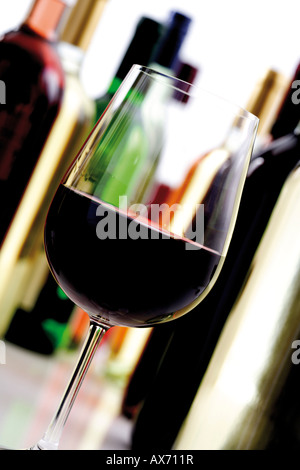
(133, 277)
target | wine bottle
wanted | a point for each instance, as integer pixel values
(248, 399)
(34, 80)
(196, 335)
(139, 51)
(264, 101)
(31, 307)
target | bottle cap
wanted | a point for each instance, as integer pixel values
(166, 53)
(179, 20)
(46, 18)
(187, 73)
(266, 98)
(82, 22)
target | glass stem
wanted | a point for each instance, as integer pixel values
(50, 441)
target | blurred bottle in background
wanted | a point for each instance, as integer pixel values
(41, 309)
(144, 141)
(248, 399)
(193, 338)
(167, 60)
(34, 79)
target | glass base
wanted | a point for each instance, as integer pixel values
(44, 445)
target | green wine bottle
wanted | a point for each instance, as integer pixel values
(127, 168)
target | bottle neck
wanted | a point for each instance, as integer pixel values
(266, 100)
(139, 51)
(141, 47)
(71, 57)
(45, 18)
(168, 49)
(82, 23)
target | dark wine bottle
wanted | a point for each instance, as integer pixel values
(139, 51)
(249, 397)
(31, 70)
(192, 339)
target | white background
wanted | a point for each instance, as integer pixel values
(232, 41)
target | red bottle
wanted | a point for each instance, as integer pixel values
(34, 80)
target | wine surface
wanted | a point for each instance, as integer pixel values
(133, 275)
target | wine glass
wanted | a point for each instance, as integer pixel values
(139, 228)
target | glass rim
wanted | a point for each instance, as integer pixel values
(152, 73)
